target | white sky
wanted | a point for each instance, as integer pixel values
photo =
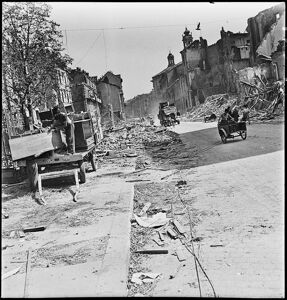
(140, 53)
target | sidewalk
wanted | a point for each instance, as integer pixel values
(92, 260)
(242, 202)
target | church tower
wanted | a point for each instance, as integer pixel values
(187, 38)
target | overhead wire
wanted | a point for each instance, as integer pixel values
(105, 48)
(152, 26)
(89, 49)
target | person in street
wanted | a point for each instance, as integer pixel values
(225, 117)
(245, 114)
(235, 113)
(63, 122)
(227, 114)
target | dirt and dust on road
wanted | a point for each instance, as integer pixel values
(160, 161)
(180, 269)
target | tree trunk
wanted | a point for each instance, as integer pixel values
(25, 118)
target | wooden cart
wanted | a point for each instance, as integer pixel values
(47, 163)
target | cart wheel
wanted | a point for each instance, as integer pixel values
(223, 138)
(243, 135)
(93, 162)
(32, 170)
(82, 174)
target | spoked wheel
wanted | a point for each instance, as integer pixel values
(223, 138)
(244, 135)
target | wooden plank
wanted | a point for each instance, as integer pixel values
(34, 144)
(28, 267)
(55, 174)
(34, 229)
(10, 273)
(60, 159)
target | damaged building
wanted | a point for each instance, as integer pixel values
(204, 70)
(218, 68)
(85, 97)
(110, 91)
(141, 106)
(267, 39)
(170, 85)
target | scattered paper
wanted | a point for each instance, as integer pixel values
(156, 220)
(140, 278)
(181, 254)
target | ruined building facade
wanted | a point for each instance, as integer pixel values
(207, 70)
(110, 92)
(85, 97)
(170, 85)
(267, 39)
(204, 70)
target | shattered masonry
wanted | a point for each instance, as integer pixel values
(217, 69)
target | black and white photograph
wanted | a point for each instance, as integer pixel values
(143, 149)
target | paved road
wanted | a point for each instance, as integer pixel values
(261, 139)
(238, 190)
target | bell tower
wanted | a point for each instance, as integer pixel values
(187, 38)
(170, 59)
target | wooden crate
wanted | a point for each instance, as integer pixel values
(84, 134)
(34, 144)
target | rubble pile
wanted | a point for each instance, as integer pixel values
(131, 137)
(265, 101)
(214, 104)
(268, 102)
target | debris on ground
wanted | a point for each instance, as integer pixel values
(144, 209)
(152, 251)
(7, 246)
(179, 226)
(171, 276)
(214, 104)
(182, 254)
(4, 214)
(34, 229)
(264, 101)
(140, 278)
(181, 182)
(132, 137)
(171, 233)
(156, 220)
(10, 273)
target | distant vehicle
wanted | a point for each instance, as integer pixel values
(168, 114)
(210, 118)
(231, 129)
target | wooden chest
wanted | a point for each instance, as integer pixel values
(84, 135)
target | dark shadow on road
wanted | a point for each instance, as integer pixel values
(204, 147)
(261, 139)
